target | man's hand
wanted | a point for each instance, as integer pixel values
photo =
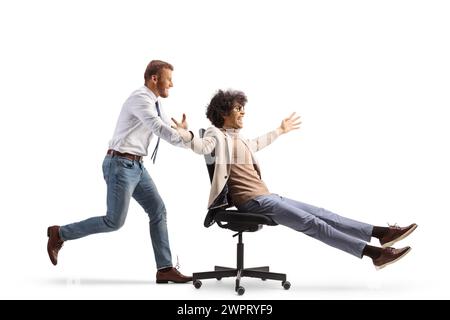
(182, 125)
(182, 129)
(290, 123)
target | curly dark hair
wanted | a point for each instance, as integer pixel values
(221, 105)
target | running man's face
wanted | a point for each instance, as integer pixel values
(164, 82)
(235, 119)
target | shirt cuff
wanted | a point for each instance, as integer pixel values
(187, 136)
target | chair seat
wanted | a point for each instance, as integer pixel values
(239, 221)
(244, 217)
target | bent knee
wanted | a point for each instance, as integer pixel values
(158, 215)
(114, 225)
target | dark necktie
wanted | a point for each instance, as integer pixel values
(155, 151)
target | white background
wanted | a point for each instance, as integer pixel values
(369, 78)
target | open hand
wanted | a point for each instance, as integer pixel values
(290, 123)
(180, 125)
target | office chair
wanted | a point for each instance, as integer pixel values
(240, 222)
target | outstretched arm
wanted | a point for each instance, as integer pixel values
(156, 124)
(204, 145)
(288, 124)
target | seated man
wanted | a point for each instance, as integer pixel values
(237, 177)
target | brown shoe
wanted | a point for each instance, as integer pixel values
(390, 255)
(54, 243)
(395, 234)
(172, 275)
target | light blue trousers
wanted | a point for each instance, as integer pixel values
(126, 178)
(337, 231)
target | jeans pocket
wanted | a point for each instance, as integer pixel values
(252, 205)
(126, 163)
(263, 204)
(258, 201)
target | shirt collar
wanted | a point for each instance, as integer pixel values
(150, 92)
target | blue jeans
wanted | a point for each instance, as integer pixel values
(126, 178)
(337, 231)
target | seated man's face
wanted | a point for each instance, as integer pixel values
(234, 120)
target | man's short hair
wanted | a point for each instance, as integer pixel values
(222, 103)
(155, 67)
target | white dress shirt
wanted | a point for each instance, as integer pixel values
(138, 121)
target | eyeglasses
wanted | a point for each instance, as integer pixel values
(239, 108)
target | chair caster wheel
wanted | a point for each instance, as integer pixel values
(263, 279)
(286, 285)
(219, 278)
(240, 291)
(197, 284)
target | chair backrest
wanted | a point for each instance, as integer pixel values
(209, 158)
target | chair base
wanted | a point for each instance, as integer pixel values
(239, 272)
(225, 272)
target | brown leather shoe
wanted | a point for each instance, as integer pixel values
(172, 275)
(395, 234)
(390, 255)
(54, 243)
